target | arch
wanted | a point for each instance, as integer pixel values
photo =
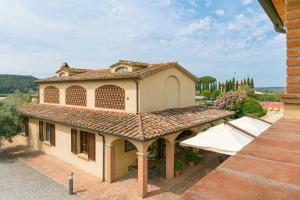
(51, 94)
(110, 97)
(122, 69)
(124, 158)
(76, 95)
(172, 92)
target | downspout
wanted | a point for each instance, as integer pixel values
(103, 152)
(137, 95)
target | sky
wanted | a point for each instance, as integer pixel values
(221, 38)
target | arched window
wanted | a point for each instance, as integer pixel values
(110, 97)
(51, 94)
(122, 69)
(76, 95)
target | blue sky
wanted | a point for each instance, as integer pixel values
(208, 37)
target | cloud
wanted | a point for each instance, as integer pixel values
(37, 36)
(246, 2)
(220, 13)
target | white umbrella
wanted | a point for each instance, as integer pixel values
(228, 139)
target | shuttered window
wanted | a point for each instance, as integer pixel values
(84, 142)
(74, 141)
(87, 144)
(91, 147)
(26, 127)
(50, 133)
(41, 131)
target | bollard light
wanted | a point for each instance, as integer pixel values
(70, 177)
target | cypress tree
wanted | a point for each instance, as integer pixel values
(252, 83)
(237, 85)
(248, 82)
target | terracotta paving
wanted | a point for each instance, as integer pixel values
(267, 168)
(91, 187)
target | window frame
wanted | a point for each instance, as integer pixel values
(48, 132)
(84, 146)
(121, 69)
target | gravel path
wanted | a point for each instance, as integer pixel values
(19, 181)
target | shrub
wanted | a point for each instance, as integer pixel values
(178, 165)
(270, 97)
(251, 106)
(215, 94)
(190, 156)
(230, 101)
(206, 94)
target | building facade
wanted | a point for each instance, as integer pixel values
(108, 121)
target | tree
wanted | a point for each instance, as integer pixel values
(251, 106)
(248, 81)
(215, 94)
(206, 94)
(206, 83)
(10, 121)
(252, 83)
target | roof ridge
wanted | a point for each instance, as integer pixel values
(141, 125)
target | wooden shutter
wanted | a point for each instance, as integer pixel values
(91, 146)
(26, 127)
(41, 131)
(52, 135)
(74, 141)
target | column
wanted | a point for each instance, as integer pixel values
(142, 174)
(110, 163)
(169, 160)
(292, 97)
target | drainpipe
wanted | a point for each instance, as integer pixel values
(137, 95)
(103, 152)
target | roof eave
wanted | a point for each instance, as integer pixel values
(273, 15)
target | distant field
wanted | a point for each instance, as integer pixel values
(2, 98)
(270, 89)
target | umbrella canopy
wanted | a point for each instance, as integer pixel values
(227, 139)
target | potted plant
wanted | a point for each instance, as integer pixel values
(191, 157)
(178, 165)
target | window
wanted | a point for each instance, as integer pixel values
(51, 95)
(110, 97)
(41, 131)
(129, 146)
(26, 127)
(50, 133)
(84, 142)
(122, 69)
(88, 144)
(76, 95)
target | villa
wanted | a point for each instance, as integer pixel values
(108, 122)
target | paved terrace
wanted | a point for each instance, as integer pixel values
(267, 168)
(90, 187)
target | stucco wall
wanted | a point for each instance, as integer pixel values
(62, 148)
(156, 91)
(91, 86)
(123, 159)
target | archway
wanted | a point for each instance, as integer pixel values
(124, 159)
(172, 92)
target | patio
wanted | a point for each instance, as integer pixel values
(90, 187)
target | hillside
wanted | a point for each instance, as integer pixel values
(11, 83)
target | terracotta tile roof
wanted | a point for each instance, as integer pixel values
(142, 126)
(65, 67)
(131, 63)
(267, 168)
(106, 74)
